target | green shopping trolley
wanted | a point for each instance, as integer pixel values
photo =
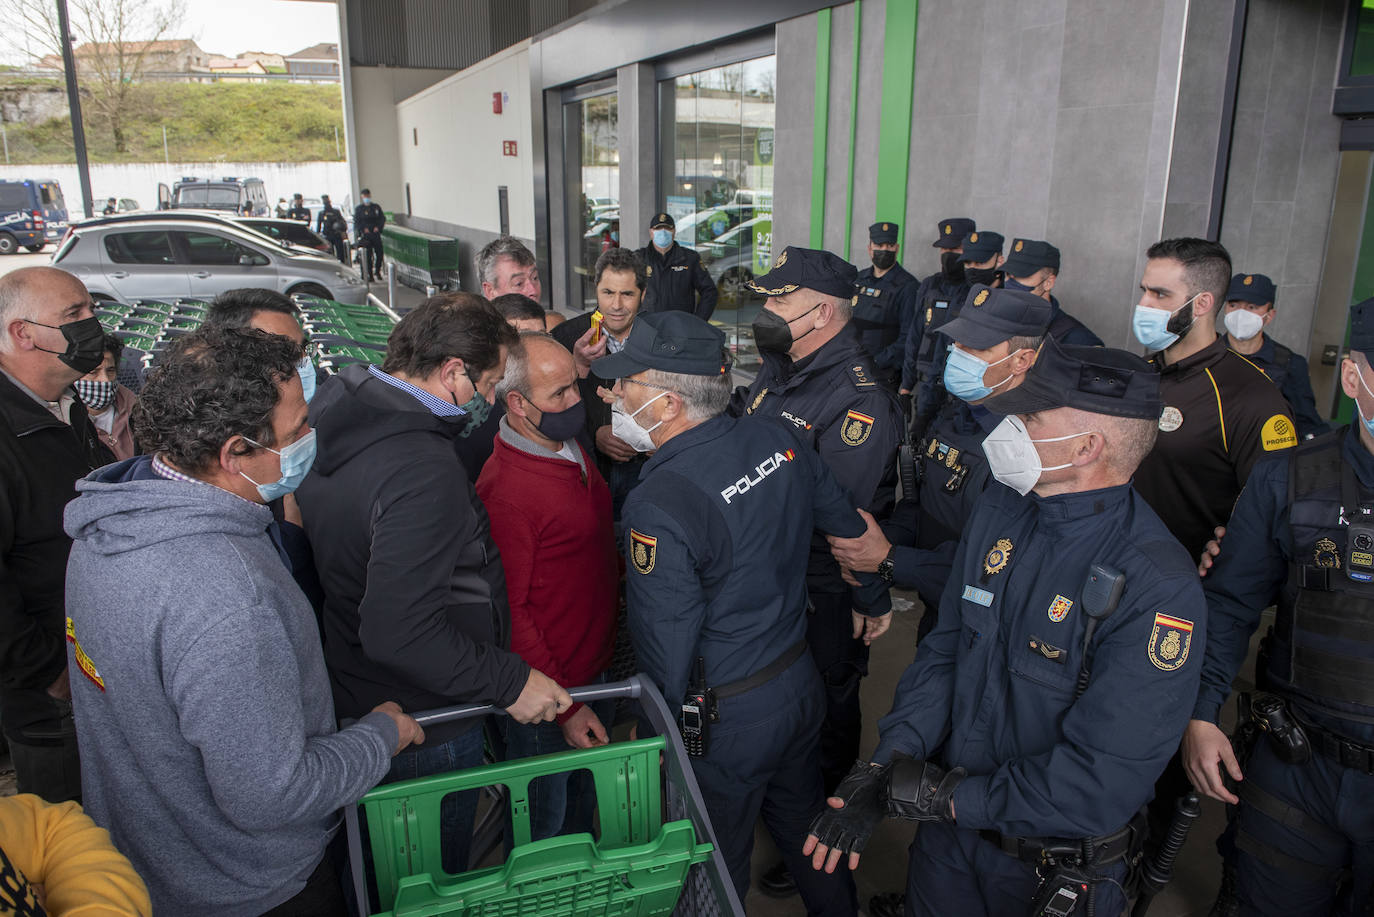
(657, 853)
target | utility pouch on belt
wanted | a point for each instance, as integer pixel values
(1272, 716)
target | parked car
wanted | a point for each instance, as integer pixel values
(148, 256)
(122, 204)
(293, 232)
(32, 214)
(730, 258)
(244, 196)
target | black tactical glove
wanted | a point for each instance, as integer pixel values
(920, 790)
(848, 829)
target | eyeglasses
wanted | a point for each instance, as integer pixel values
(661, 388)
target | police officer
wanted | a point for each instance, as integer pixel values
(674, 275)
(1249, 310)
(816, 376)
(1299, 537)
(717, 537)
(110, 207)
(886, 304)
(298, 209)
(981, 259)
(1220, 412)
(994, 343)
(332, 225)
(936, 293)
(368, 221)
(1021, 714)
(1033, 266)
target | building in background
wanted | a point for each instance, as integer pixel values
(315, 62)
(1102, 127)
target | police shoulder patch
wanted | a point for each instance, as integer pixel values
(643, 551)
(855, 428)
(1278, 433)
(1170, 640)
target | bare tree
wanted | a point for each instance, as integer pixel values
(114, 40)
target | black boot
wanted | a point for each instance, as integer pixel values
(777, 882)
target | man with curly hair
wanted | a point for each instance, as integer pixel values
(200, 690)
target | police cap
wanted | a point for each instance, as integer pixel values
(1251, 288)
(980, 246)
(1030, 255)
(809, 268)
(991, 316)
(1099, 380)
(663, 219)
(883, 233)
(675, 342)
(951, 231)
(1362, 328)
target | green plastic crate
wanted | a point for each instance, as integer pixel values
(636, 869)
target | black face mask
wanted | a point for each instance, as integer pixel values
(951, 267)
(85, 343)
(883, 259)
(773, 333)
(989, 276)
(561, 426)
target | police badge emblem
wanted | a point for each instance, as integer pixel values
(782, 259)
(643, 551)
(758, 400)
(981, 298)
(1170, 640)
(1325, 554)
(648, 270)
(973, 237)
(855, 428)
(997, 557)
(1249, 279)
(1059, 608)
(1020, 244)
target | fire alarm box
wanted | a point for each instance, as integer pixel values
(496, 103)
(508, 148)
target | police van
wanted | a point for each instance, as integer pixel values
(240, 196)
(32, 214)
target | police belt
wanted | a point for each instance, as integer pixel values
(1347, 752)
(763, 675)
(1038, 851)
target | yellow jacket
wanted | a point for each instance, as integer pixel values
(70, 856)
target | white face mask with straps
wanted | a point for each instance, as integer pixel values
(626, 429)
(1012, 457)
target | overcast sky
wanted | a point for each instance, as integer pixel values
(279, 26)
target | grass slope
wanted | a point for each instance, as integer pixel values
(206, 122)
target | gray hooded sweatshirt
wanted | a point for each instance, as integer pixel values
(208, 741)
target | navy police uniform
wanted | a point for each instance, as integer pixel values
(1042, 709)
(883, 310)
(1029, 256)
(299, 211)
(332, 225)
(368, 222)
(929, 394)
(1287, 369)
(717, 534)
(937, 293)
(1297, 539)
(951, 469)
(675, 279)
(833, 400)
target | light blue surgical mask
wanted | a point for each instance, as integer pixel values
(296, 461)
(663, 237)
(1151, 326)
(964, 375)
(306, 370)
(1367, 421)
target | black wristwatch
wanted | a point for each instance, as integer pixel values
(885, 565)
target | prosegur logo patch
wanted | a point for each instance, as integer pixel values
(1278, 433)
(754, 478)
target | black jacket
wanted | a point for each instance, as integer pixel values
(331, 223)
(675, 280)
(598, 411)
(41, 459)
(368, 221)
(415, 604)
(301, 213)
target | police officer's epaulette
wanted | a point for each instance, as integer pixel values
(858, 374)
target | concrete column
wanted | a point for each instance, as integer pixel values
(638, 129)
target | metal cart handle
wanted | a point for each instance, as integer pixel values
(584, 695)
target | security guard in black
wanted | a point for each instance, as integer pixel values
(674, 277)
(817, 377)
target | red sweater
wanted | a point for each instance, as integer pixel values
(552, 523)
